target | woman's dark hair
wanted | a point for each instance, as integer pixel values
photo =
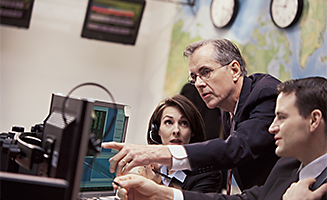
(187, 108)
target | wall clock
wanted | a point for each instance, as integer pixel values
(285, 13)
(223, 12)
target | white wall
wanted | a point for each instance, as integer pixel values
(51, 56)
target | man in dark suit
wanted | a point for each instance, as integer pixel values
(300, 132)
(218, 72)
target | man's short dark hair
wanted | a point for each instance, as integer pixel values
(311, 94)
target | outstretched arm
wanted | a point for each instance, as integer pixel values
(133, 155)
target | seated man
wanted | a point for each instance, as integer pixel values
(300, 131)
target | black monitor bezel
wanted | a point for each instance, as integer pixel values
(66, 157)
(24, 21)
(110, 37)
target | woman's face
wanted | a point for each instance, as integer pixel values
(174, 127)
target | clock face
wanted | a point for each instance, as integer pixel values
(222, 12)
(285, 13)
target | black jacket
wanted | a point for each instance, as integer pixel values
(281, 177)
(250, 148)
(204, 182)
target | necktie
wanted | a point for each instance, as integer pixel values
(229, 183)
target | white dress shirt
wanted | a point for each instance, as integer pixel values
(180, 158)
(179, 175)
(180, 162)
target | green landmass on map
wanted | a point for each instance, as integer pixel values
(177, 68)
(312, 29)
(269, 46)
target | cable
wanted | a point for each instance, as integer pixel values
(94, 143)
(91, 84)
(150, 134)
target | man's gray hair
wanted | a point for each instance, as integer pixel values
(225, 52)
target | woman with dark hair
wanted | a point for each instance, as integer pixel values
(176, 121)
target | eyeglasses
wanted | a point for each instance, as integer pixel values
(204, 74)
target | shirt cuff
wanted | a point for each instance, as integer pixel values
(180, 159)
(178, 195)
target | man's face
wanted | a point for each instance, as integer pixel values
(291, 130)
(218, 87)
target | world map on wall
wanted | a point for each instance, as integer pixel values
(296, 52)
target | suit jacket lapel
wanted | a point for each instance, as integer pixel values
(322, 178)
(281, 185)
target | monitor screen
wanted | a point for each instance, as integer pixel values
(96, 175)
(113, 20)
(16, 12)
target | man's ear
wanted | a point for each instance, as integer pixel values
(316, 117)
(236, 70)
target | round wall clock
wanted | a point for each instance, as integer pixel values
(223, 12)
(285, 13)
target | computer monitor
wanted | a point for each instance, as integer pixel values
(96, 178)
(16, 12)
(113, 20)
(65, 140)
(68, 165)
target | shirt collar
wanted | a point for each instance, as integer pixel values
(179, 175)
(235, 108)
(314, 168)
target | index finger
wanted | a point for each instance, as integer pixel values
(117, 146)
(112, 145)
